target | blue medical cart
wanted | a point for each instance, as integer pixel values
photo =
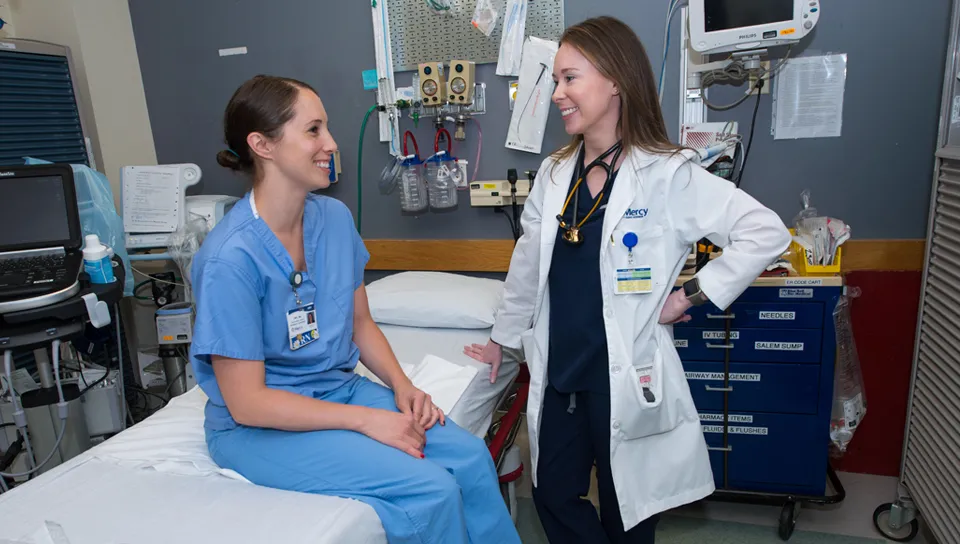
(761, 375)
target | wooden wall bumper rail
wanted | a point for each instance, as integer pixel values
(494, 255)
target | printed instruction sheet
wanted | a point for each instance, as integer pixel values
(808, 97)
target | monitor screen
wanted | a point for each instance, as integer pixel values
(728, 14)
(33, 212)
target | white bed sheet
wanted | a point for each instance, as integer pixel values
(101, 502)
(474, 411)
(155, 482)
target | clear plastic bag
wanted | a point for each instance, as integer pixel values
(485, 17)
(184, 244)
(98, 214)
(849, 397)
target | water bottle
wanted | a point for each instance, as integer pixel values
(443, 189)
(413, 186)
(96, 260)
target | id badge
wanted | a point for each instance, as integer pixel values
(634, 280)
(302, 327)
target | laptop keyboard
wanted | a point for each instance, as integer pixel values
(32, 270)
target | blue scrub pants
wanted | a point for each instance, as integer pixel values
(452, 496)
(575, 434)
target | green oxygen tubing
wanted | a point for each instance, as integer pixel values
(363, 128)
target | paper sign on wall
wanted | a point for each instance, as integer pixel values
(808, 97)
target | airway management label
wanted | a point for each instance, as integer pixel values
(718, 376)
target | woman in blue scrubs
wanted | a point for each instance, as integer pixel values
(282, 319)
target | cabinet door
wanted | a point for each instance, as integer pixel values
(777, 453)
(755, 387)
(753, 345)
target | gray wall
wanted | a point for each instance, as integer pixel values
(876, 176)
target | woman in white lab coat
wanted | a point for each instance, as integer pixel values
(589, 296)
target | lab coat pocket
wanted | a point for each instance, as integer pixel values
(528, 342)
(638, 258)
(650, 401)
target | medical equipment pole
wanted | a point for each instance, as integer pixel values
(123, 393)
(692, 108)
(19, 417)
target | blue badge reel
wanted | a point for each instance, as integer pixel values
(633, 279)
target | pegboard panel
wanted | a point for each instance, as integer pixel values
(418, 34)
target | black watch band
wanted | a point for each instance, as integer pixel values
(691, 289)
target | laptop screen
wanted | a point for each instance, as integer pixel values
(33, 212)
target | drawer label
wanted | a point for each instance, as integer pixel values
(796, 293)
(720, 335)
(734, 418)
(803, 281)
(677, 343)
(718, 376)
(718, 429)
(778, 346)
(778, 316)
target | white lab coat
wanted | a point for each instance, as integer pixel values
(658, 454)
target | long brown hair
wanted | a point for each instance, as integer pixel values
(615, 50)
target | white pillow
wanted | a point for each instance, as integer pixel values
(435, 299)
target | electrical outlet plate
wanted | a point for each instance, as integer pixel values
(766, 83)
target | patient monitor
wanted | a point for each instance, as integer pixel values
(721, 26)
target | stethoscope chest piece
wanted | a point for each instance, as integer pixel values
(572, 236)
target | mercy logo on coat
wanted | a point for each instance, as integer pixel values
(635, 213)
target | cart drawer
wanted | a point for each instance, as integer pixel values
(761, 315)
(777, 453)
(751, 345)
(756, 387)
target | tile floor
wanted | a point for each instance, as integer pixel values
(852, 517)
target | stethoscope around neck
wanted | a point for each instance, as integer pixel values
(571, 233)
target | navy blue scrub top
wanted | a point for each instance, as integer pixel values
(577, 359)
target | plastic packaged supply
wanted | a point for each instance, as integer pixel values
(485, 17)
(819, 236)
(183, 245)
(849, 397)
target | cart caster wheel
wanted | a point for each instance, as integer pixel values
(881, 520)
(788, 519)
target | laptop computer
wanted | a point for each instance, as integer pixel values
(40, 234)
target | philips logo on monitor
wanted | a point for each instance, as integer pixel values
(635, 213)
(6, 174)
(747, 36)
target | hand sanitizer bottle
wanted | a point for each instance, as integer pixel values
(96, 260)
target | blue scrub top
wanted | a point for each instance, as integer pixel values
(241, 285)
(578, 342)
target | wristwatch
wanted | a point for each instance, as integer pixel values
(691, 289)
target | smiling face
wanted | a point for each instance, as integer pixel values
(588, 101)
(303, 151)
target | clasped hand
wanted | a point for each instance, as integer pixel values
(407, 430)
